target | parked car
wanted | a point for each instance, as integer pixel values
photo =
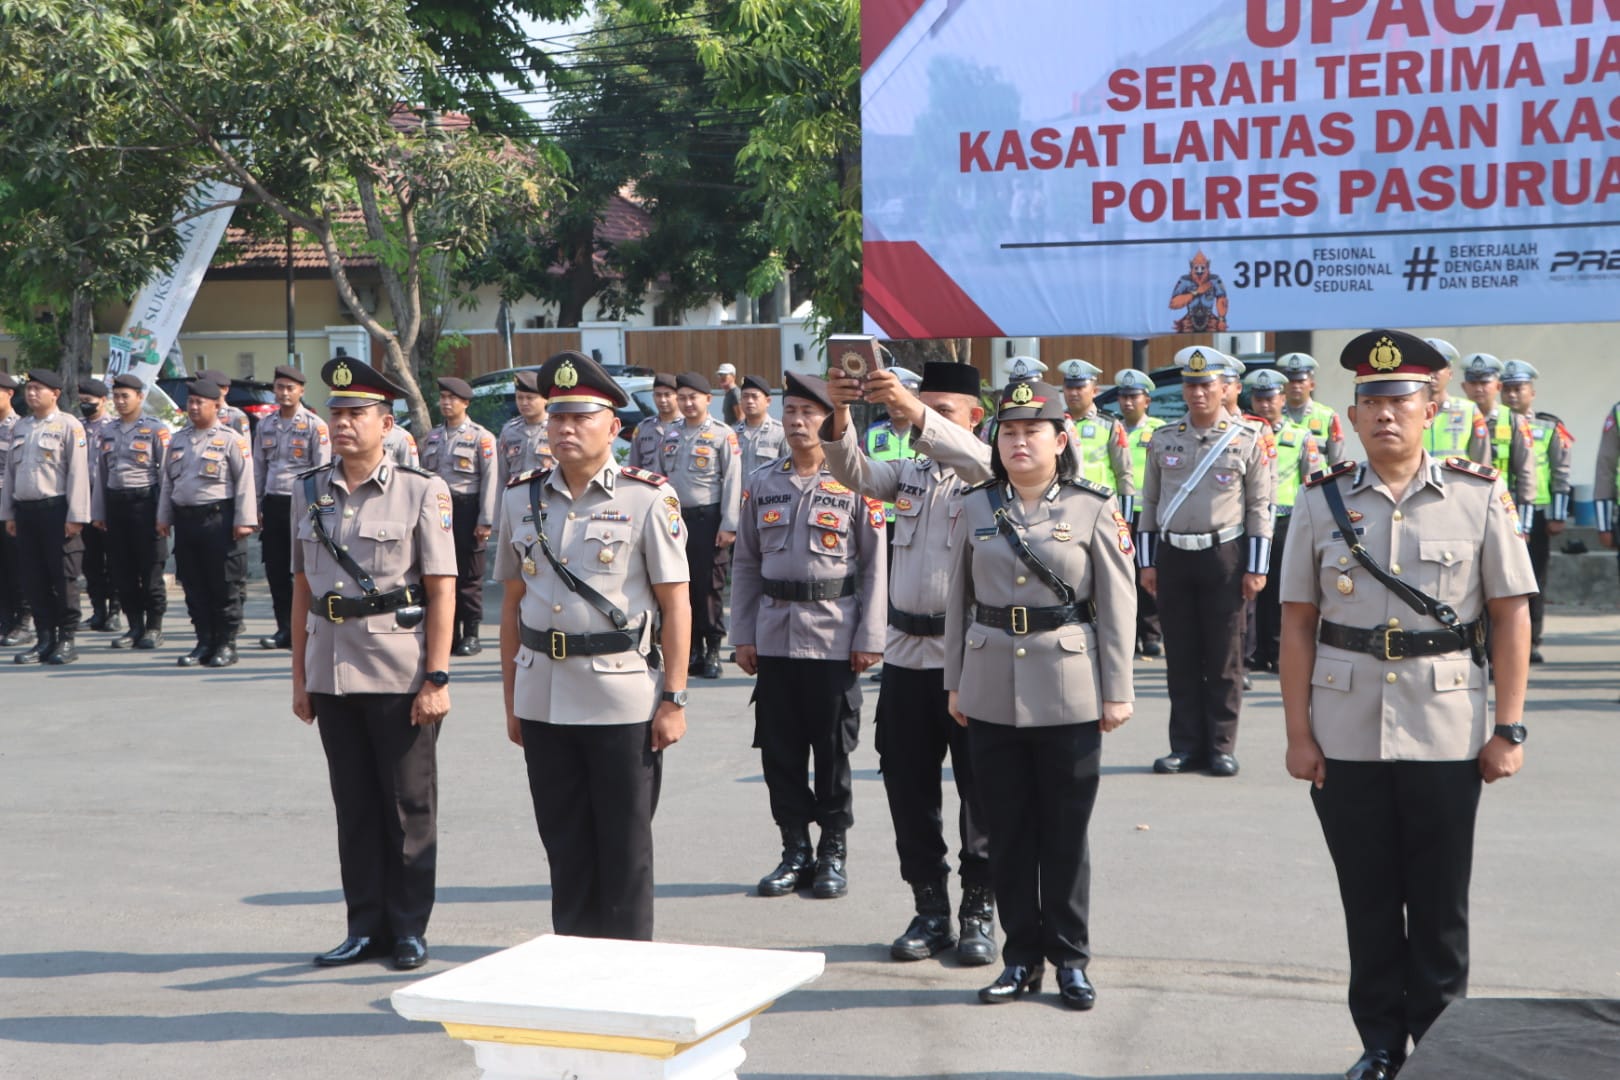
(255, 398)
(1166, 402)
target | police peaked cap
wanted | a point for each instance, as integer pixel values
(1390, 363)
(1024, 399)
(355, 383)
(574, 383)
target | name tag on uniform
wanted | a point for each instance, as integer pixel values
(609, 515)
(1337, 535)
(985, 534)
(1088, 430)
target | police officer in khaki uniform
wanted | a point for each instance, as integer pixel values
(1105, 453)
(914, 727)
(1553, 446)
(647, 440)
(760, 435)
(374, 565)
(594, 561)
(1384, 690)
(703, 462)
(1512, 446)
(124, 499)
(45, 505)
(14, 613)
(1606, 485)
(462, 453)
(522, 444)
(1205, 548)
(1040, 628)
(400, 448)
(229, 415)
(809, 604)
(289, 441)
(209, 499)
(98, 583)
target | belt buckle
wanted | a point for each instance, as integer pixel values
(1388, 639)
(559, 645)
(1020, 620)
(332, 616)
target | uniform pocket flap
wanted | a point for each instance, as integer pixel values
(381, 530)
(1075, 643)
(1445, 552)
(625, 663)
(1332, 673)
(524, 657)
(607, 534)
(976, 639)
(1460, 673)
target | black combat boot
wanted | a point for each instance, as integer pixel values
(711, 660)
(43, 643)
(797, 864)
(223, 653)
(470, 644)
(199, 653)
(16, 633)
(137, 627)
(98, 615)
(152, 635)
(977, 944)
(115, 617)
(830, 882)
(63, 650)
(930, 931)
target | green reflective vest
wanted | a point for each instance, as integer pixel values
(882, 444)
(1502, 438)
(1291, 439)
(1095, 434)
(1138, 440)
(1542, 433)
(1452, 430)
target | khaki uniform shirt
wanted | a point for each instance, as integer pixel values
(1236, 490)
(396, 526)
(129, 455)
(521, 447)
(760, 445)
(465, 460)
(206, 465)
(48, 457)
(6, 426)
(1047, 677)
(926, 492)
(1606, 482)
(400, 448)
(702, 462)
(1454, 536)
(232, 417)
(286, 448)
(93, 432)
(646, 441)
(621, 537)
(808, 528)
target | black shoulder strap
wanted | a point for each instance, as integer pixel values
(1416, 600)
(350, 567)
(601, 603)
(1047, 575)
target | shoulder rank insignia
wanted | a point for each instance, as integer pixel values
(414, 469)
(643, 475)
(318, 469)
(524, 477)
(1471, 467)
(1327, 474)
(1092, 486)
(980, 486)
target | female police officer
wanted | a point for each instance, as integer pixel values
(1039, 632)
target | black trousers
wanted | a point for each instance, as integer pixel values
(98, 581)
(708, 618)
(914, 732)
(135, 553)
(385, 786)
(48, 562)
(1540, 552)
(1402, 839)
(595, 790)
(470, 555)
(806, 709)
(1263, 650)
(275, 548)
(212, 567)
(1201, 603)
(1148, 631)
(14, 610)
(1039, 785)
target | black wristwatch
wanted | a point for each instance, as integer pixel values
(438, 678)
(1513, 733)
(674, 697)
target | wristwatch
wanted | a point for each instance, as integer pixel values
(674, 697)
(438, 678)
(1513, 733)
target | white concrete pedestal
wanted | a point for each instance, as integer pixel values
(565, 1008)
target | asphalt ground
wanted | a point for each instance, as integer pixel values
(168, 867)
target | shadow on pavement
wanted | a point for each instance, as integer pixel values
(206, 1027)
(496, 894)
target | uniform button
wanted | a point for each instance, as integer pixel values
(556, 607)
(1458, 680)
(1394, 568)
(348, 511)
(1397, 516)
(1343, 561)
(1446, 556)
(563, 560)
(1330, 679)
(1394, 623)
(337, 584)
(1019, 653)
(570, 515)
(1391, 677)
(1022, 579)
(618, 663)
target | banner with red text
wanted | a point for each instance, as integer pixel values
(1136, 167)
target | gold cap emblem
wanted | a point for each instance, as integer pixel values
(1196, 362)
(1022, 394)
(1384, 356)
(566, 376)
(342, 376)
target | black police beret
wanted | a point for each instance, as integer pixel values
(944, 377)
(808, 387)
(756, 382)
(8, 382)
(458, 387)
(205, 388)
(693, 380)
(528, 381)
(287, 371)
(129, 382)
(217, 377)
(665, 379)
(93, 388)
(46, 377)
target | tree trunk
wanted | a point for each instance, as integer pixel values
(78, 340)
(581, 280)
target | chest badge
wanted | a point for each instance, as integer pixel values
(829, 540)
(529, 566)
(1063, 532)
(1345, 585)
(604, 556)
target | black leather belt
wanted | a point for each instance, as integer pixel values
(43, 504)
(336, 608)
(1388, 643)
(1022, 620)
(132, 494)
(202, 510)
(916, 625)
(826, 589)
(560, 646)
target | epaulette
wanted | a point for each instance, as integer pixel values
(417, 469)
(643, 475)
(982, 485)
(524, 477)
(1328, 474)
(1471, 467)
(1548, 416)
(316, 469)
(1090, 485)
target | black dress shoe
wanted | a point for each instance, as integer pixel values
(1374, 1065)
(1223, 765)
(472, 646)
(1152, 648)
(1015, 981)
(1535, 656)
(410, 952)
(151, 638)
(126, 640)
(1248, 683)
(281, 639)
(223, 656)
(1178, 763)
(1075, 989)
(352, 951)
